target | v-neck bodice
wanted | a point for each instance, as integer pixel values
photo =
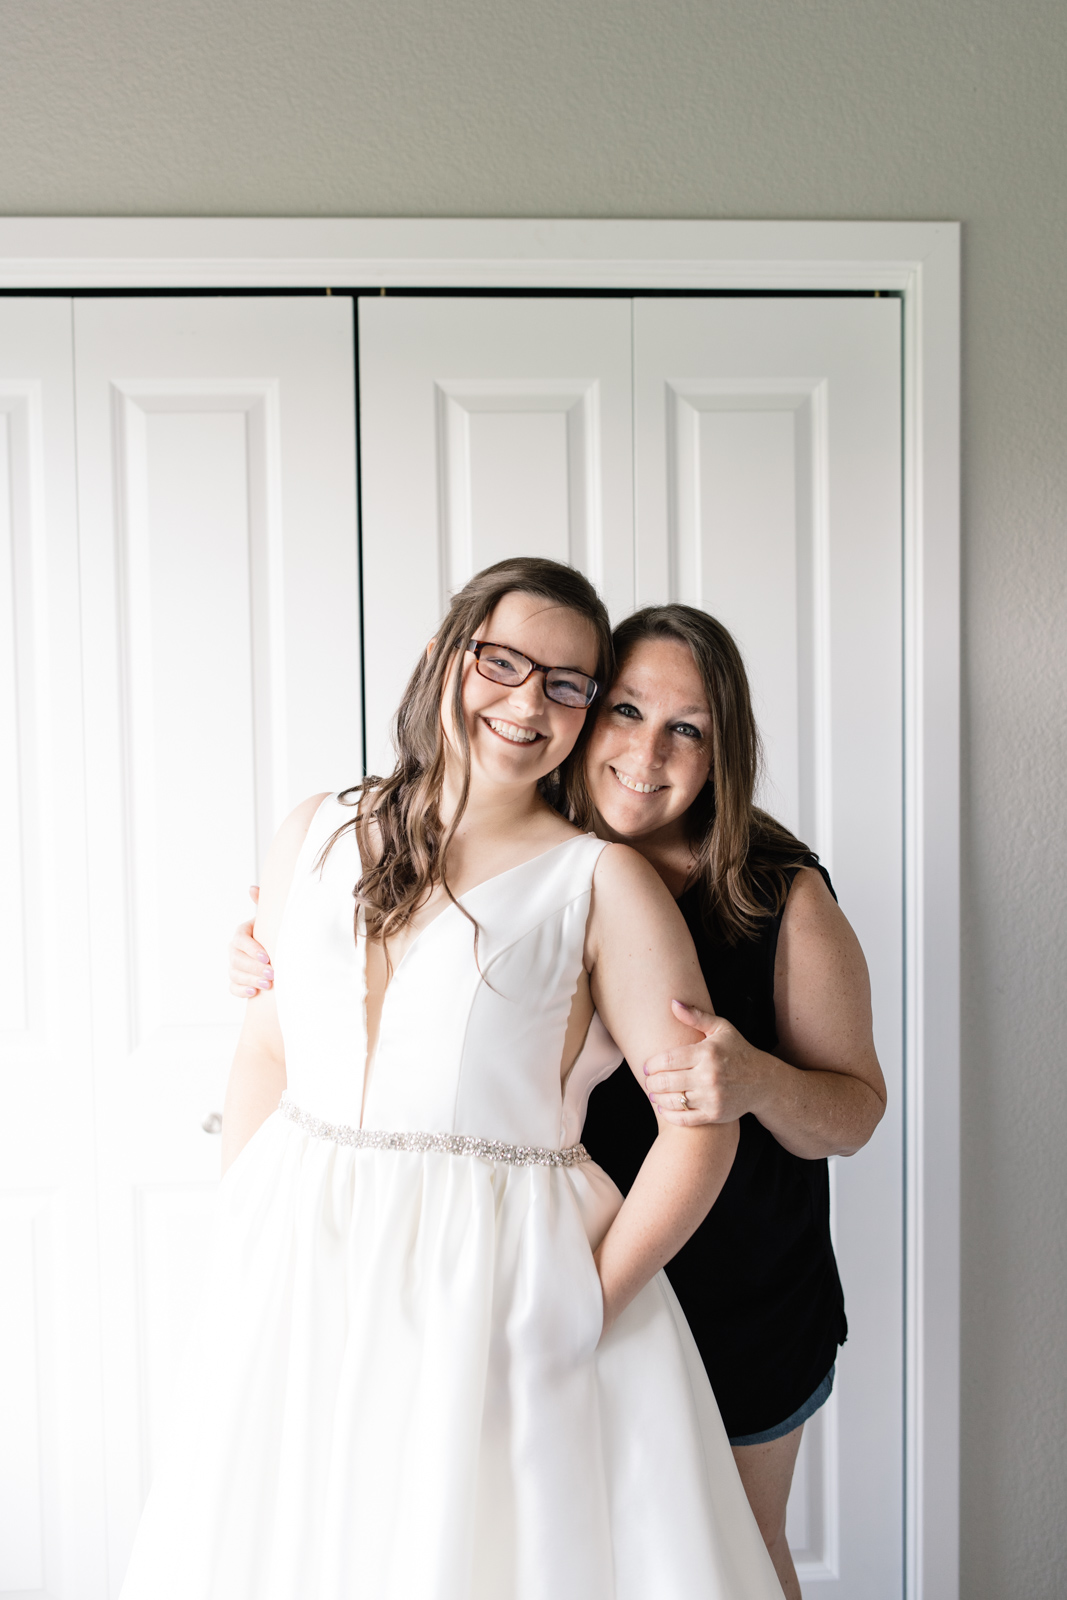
(466, 1044)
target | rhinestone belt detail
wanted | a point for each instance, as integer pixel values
(454, 1144)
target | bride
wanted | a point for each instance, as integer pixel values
(435, 1356)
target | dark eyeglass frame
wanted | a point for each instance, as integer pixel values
(476, 646)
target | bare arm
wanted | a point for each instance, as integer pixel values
(640, 958)
(257, 1076)
(822, 1093)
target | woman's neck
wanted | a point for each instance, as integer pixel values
(491, 810)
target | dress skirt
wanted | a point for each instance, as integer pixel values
(394, 1390)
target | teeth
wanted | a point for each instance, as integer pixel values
(508, 730)
(638, 788)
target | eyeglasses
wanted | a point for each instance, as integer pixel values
(501, 664)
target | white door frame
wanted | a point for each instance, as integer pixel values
(920, 262)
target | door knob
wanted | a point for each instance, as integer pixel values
(212, 1123)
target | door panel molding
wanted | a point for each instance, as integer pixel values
(808, 809)
(250, 674)
(579, 405)
(919, 261)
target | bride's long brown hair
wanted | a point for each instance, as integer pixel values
(742, 855)
(404, 857)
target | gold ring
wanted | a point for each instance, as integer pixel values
(685, 1102)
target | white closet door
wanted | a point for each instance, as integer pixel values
(488, 428)
(216, 473)
(768, 471)
(51, 1458)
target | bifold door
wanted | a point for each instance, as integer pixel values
(742, 455)
(179, 544)
(215, 498)
(52, 1508)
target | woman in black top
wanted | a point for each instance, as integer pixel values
(670, 769)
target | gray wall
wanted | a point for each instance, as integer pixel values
(717, 108)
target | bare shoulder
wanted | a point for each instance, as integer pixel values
(300, 818)
(816, 934)
(810, 905)
(629, 900)
(622, 876)
(278, 868)
(287, 842)
(639, 955)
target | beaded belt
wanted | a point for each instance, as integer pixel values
(454, 1144)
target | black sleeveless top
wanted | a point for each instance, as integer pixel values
(757, 1281)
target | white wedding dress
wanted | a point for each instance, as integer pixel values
(394, 1389)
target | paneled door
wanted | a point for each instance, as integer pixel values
(768, 450)
(51, 1456)
(489, 428)
(762, 440)
(176, 682)
(217, 501)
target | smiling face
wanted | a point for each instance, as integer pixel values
(649, 754)
(517, 735)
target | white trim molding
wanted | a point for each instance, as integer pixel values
(264, 253)
(920, 262)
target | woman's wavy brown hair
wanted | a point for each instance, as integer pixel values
(406, 857)
(743, 854)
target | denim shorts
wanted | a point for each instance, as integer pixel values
(801, 1415)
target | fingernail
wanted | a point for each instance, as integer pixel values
(251, 993)
(264, 958)
(645, 1071)
(268, 972)
(263, 983)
